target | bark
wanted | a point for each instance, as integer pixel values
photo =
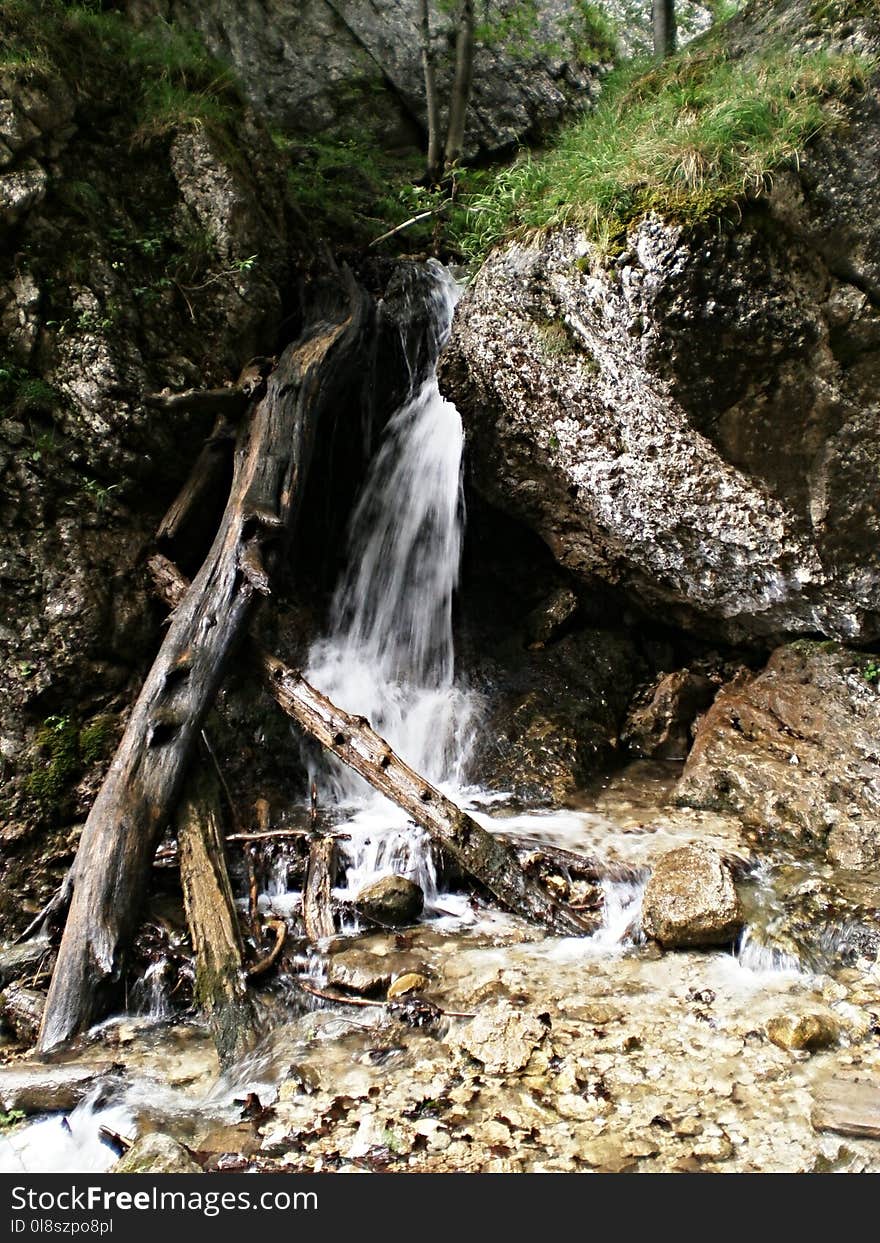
(199, 493)
(230, 402)
(462, 84)
(486, 858)
(663, 19)
(143, 784)
(22, 1009)
(317, 902)
(432, 99)
(220, 990)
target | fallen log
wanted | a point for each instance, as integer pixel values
(37, 1089)
(143, 784)
(220, 986)
(317, 908)
(488, 859)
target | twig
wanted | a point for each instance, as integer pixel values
(364, 1001)
(423, 215)
(280, 929)
(267, 835)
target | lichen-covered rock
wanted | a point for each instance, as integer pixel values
(156, 1153)
(322, 63)
(501, 1037)
(794, 751)
(691, 900)
(393, 900)
(696, 419)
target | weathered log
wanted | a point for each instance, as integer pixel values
(317, 906)
(220, 987)
(488, 859)
(205, 480)
(144, 781)
(23, 960)
(22, 1011)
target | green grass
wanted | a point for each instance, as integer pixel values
(22, 393)
(163, 74)
(688, 139)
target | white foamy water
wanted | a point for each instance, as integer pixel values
(389, 653)
(71, 1143)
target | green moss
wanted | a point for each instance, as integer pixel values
(64, 748)
(688, 139)
(555, 339)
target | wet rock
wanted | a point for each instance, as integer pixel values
(659, 724)
(847, 1107)
(45, 1089)
(20, 190)
(22, 1011)
(546, 621)
(691, 900)
(793, 751)
(409, 982)
(156, 1153)
(391, 900)
(360, 972)
(501, 1037)
(816, 1029)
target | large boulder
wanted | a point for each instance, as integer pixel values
(696, 418)
(691, 899)
(794, 751)
(156, 1153)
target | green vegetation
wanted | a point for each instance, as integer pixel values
(592, 32)
(64, 749)
(870, 670)
(832, 12)
(12, 1118)
(687, 139)
(22, 393)
(164, 74)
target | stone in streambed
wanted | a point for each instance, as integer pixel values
(409, 982)
(391, 900)
(359, 971)
(691, 900)
(156, 1154)
(501, 1037)
(815, 1030)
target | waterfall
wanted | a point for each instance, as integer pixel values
(388, 654)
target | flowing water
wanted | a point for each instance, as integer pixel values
(388, 655)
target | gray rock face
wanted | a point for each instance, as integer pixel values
(794, 751)
(706, 435)
(312, 66)
(691, 900)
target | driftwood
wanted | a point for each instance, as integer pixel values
(205, 481)
(22, 1010)
(144, 781)
(279, 928)
(220, 987)
(317, 908)
(486, 858)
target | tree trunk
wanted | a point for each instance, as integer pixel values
(463, 83)
(432, 100)
(221, 990)
(143, 784)
(663, 18)
(486, 858)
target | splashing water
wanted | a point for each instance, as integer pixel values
(389, 654)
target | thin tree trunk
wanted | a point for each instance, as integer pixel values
(432, 100)
(143, 784)
(463, 83)
(486, 858)
(663, 19)
(221, 990)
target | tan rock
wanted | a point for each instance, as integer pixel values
(814, 1030)
(691, 900)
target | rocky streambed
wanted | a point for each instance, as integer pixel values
(608, 1053)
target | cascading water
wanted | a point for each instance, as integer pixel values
(389, 653)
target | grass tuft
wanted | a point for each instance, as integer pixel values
(687, 139)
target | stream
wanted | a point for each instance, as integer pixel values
(594, 1053)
